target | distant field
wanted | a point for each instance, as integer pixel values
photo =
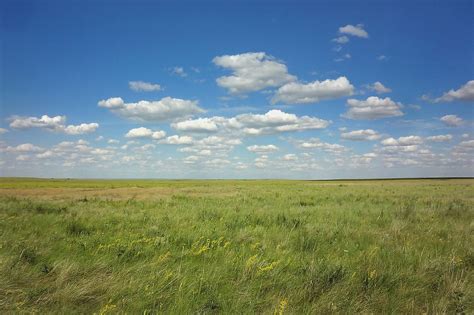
(212, 246)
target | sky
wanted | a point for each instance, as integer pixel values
(236, 89)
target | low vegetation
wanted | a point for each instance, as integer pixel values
(296, 247)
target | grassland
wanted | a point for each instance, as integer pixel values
(296, 247)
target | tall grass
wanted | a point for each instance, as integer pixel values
(240, 247)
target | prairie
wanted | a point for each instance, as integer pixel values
(236, 246)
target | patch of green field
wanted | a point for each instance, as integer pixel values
(295, 247)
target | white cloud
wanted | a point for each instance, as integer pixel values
(46, 154)
(300, 93)
(56, 124)
(165, 109)
(402, 141)
(341, 39)
(469, 144)
(23, 148)
(191, 159)
(23, 157)
(143, 132)
(361, 135)
(112, 103)
(217, 162)
(276, 121)
(216, 146)
(357, 30)
(140, 86)
(440, 138)
(379, 88)
(261, 149)
(316, 143)
(46, 122)
(3, 131)
(252, 72)
(196, 125)
(407, 144)
(464, 93)
(273, 121)
(261, 161)
(179, 71)
(113, 141)
(81, 129)
(178, 140)
(344, 57)
(381, 57)
(373, 108)
(289, 157)
(452, 120)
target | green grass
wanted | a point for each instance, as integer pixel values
(296, 247)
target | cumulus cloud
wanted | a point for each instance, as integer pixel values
(196, 125)
(112, 103)
(165, 109)
(212, 145)
(80, 129)
(217, 163)
(261, 161)
(46, 154)
(402, 145)
(469, 144)
(373, 108)
(44, 121)
(140, 86)
(341, 39)
(379, 88)
(316, 143)
(3, 131)
(403, 141)
(464, 93)
(361, 135)
(263, 149)
(252, 72)
(343, 57)
(178, 140)
(313, 92)
(24, 148)
(57, 124)
(352, 30)
(289, 157)
(273, 121)
(440, 138)
(276, 121)
(452, 120)
(179, 71)
(143, 132)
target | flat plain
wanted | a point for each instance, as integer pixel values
(236, 246)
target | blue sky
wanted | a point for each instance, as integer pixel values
(236, 89)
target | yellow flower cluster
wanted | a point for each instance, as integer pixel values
(203, 245)
(268, 267)
(106, 308)
(280, 310)
(253, 263)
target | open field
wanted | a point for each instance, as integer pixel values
(296, 247)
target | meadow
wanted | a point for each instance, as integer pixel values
(240, 247)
